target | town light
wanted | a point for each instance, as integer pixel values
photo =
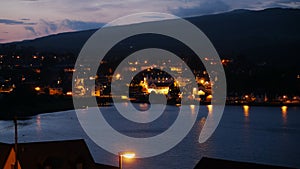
(124, 97)
(118, 76)
(284, 109)
(37, 89)
(129, 155)
(126, 154)
(246, 110)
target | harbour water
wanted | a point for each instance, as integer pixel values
(267, 135)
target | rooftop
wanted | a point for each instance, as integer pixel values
(56, 154)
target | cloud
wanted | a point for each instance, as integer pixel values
(80, 25)
(14, 22)
(205, 7)
(48, 26)
(66, 25)
(218, 6)
(289, 3)
(11, 22)
(25, 19)
(259, 4)
(44, 27)
(31, 29)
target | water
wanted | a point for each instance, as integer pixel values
(267, 135)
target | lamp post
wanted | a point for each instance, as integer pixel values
(128, 155)
(16, 142)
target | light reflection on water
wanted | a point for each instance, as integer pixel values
(253, 134)
(284, 114)
(143, 106)
(246, 111)
(210, 108)
(38, 123)
(246, 115)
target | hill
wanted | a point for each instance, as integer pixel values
(270, 35)
(262, 45)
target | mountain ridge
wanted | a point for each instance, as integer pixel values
(263, 35)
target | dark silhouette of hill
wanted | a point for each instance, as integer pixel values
(58, 43)
(266, 36)
(270, 36)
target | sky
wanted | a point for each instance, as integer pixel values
(29, 19)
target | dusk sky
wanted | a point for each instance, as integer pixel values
(28, 19)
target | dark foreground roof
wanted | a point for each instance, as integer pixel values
(211, 163)
(57, 154)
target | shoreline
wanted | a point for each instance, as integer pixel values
(25, 108)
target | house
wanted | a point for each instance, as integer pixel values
(55, 91)
(7, 156)
(5, 85)
(70, 154)
(159, 88)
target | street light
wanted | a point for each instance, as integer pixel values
(127, 154)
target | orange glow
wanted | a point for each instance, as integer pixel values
(143, 106)
(209, 97)
(210, 108)
(202, 81)
(118, 76)
(132, 69)
(246, 110)
(124, 97)
(201, 92)
(284, 113)
(175, 69)
(284, 110)
(225, 62)
(128, 155)
(38, 71)
(37, 88)
(69, 70)
(160, 90)
(195, 90)
(69, 93)
(193, 108)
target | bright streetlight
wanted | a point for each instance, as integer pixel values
(128, 155)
